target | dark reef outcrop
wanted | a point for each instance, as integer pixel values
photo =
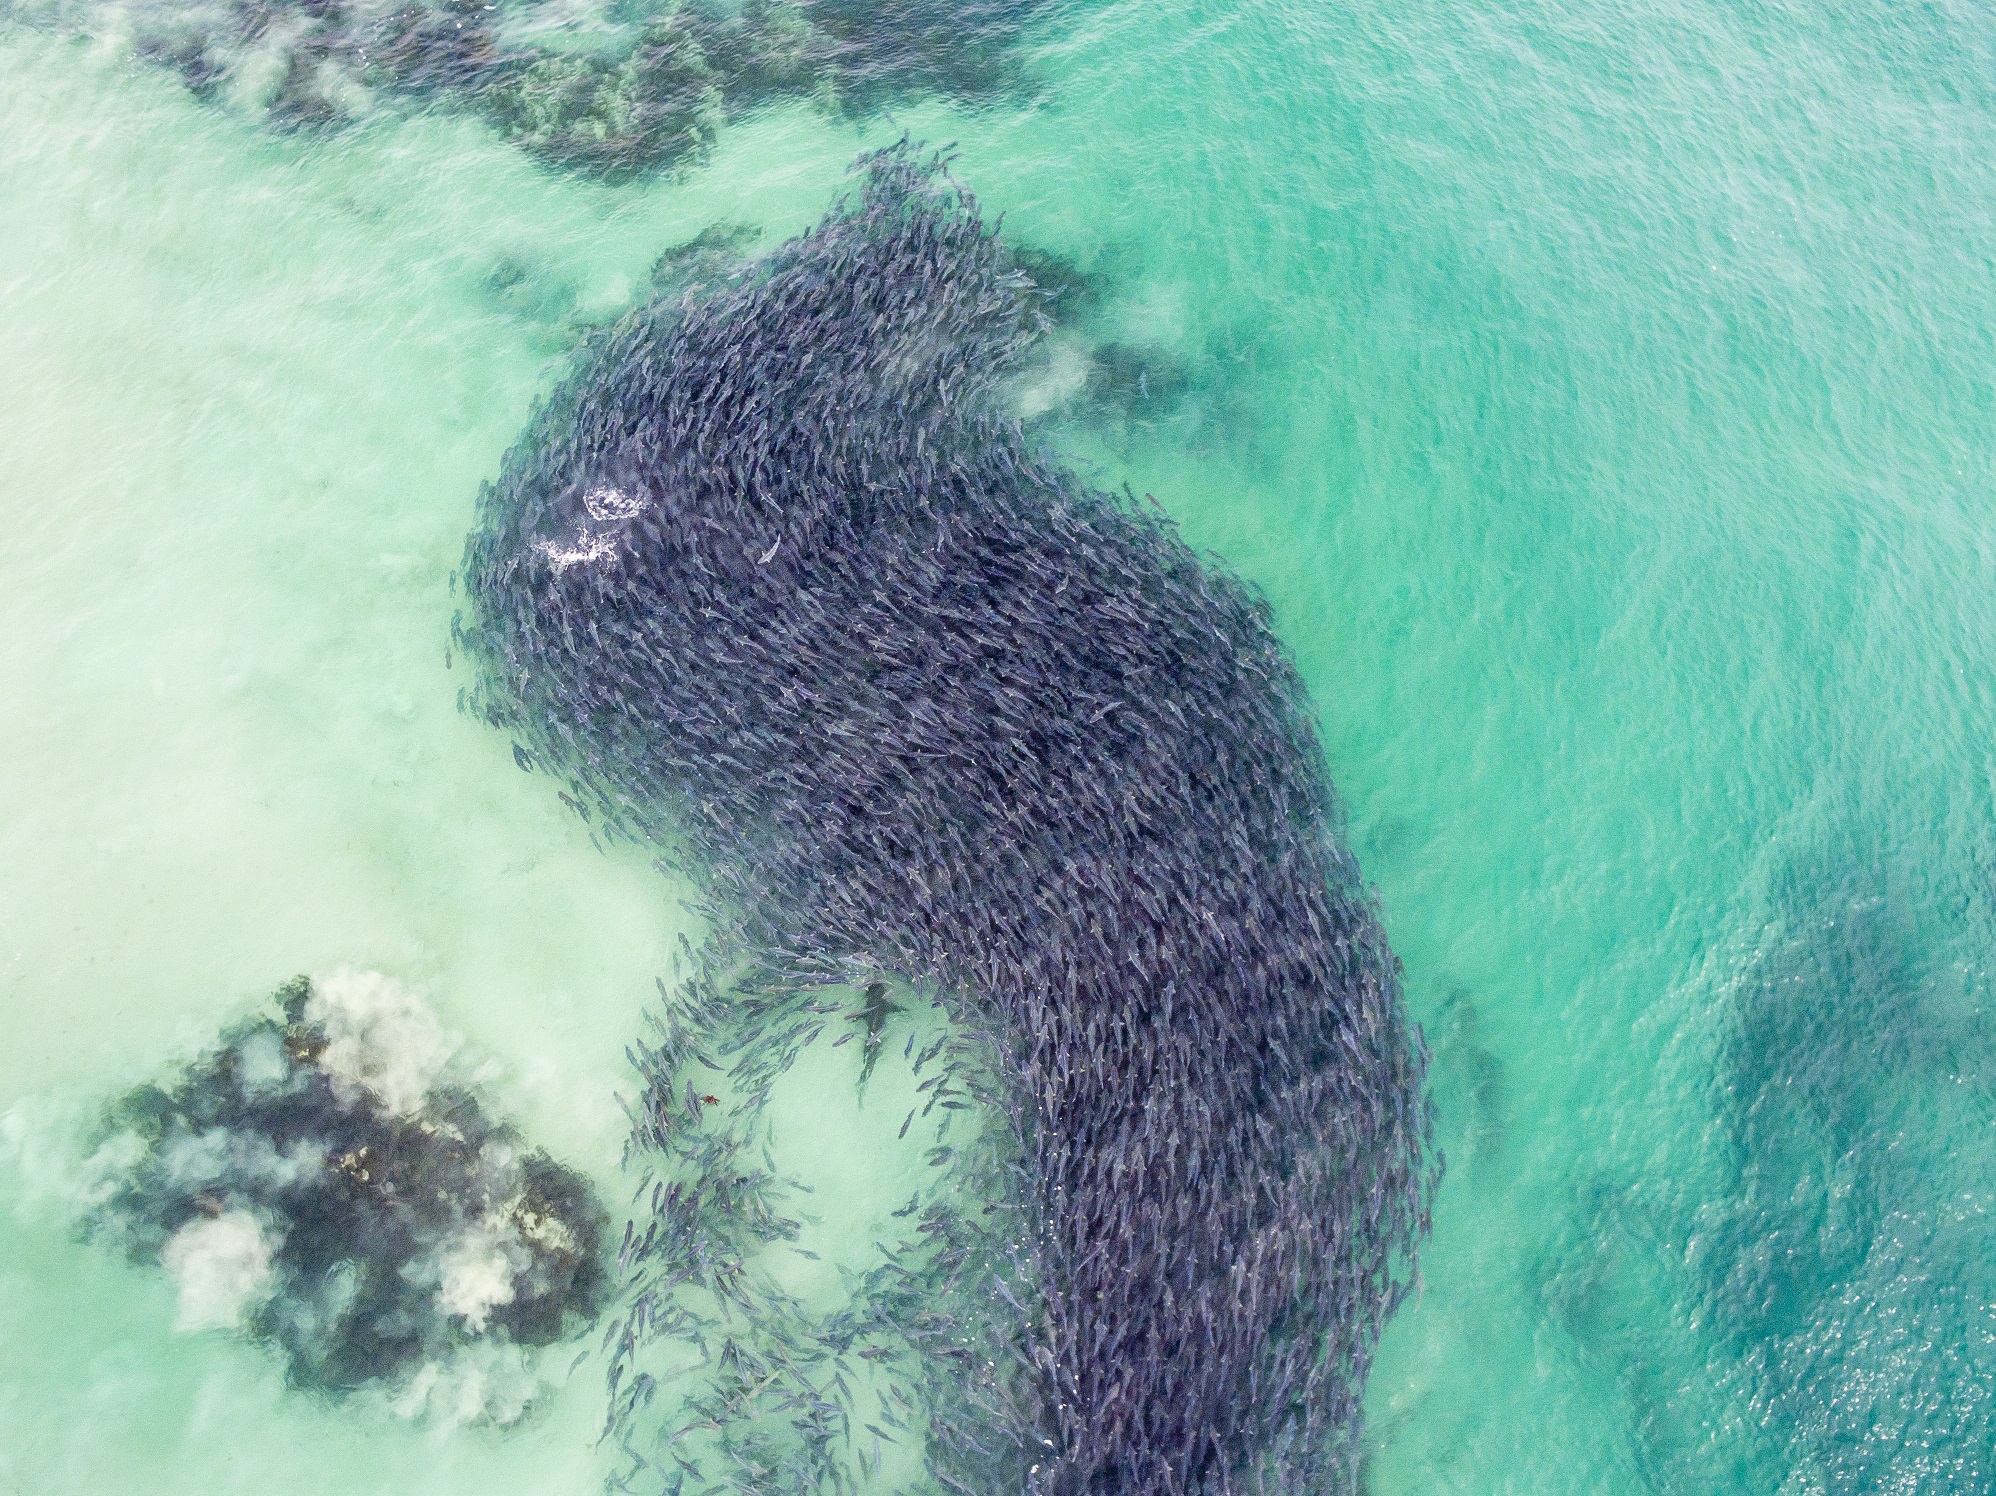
(631, 90)
(777, 584)
(320, 1182)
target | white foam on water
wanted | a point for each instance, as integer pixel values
(1057, 381)
(379, 1039)
(221, 1267)
(587, 550)
(476, 1271)
(608, 503)
(223, 1155)
(261, 1064)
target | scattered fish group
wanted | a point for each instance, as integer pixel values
(777, 584)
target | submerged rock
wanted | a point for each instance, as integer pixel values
(636, 89)
(765, 49)
(305, 62)
(615, 116)
(320, 1182)
(777, 583)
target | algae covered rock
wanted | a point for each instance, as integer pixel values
(633, 89)
(322, 1181)
(765, 49)
(613, 116)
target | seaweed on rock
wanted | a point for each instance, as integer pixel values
(1845, 1083)
(319, 1181)
(616, 117)
(644, 89)
(765, 49)
(713, 254)
(1799, 1304)
(777, 584)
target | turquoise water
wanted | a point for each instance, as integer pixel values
(1602, 396)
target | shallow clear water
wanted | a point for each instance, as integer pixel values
(1603, 396)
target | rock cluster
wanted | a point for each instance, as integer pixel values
(614, 98)
(320, 1182)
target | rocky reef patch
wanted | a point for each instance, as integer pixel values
(615, 92)
(324, 1182)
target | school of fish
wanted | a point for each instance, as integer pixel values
(777, 584)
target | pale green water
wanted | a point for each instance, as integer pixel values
(1604, 398)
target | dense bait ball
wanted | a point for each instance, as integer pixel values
(318, 1182)
(777, 583)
